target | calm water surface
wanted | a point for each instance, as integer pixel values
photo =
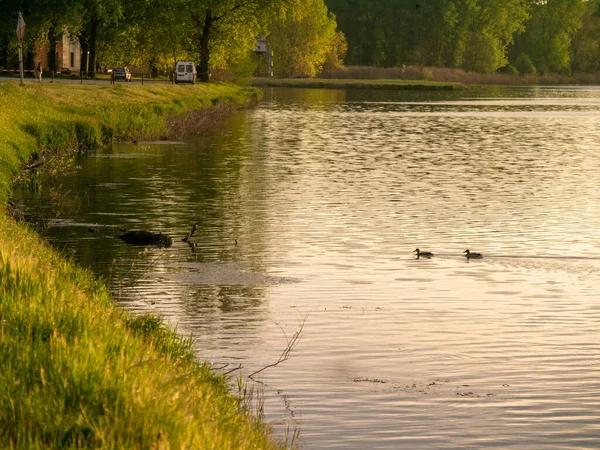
(327, 194)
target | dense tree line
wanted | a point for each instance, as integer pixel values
(155, 34)
(476, 35)
(523, 36)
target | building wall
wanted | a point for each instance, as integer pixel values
(68, 52)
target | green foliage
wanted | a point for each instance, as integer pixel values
(303, 38)
(524, 65)
(470, 34)
(548, 34)
(585, 44)
(509, 69)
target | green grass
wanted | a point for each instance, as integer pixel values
(57, 117)
(325, 83)
(75, 370)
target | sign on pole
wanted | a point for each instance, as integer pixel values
(20, 27)
(20, 35)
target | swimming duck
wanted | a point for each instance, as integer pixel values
(471, 255)
(423, 254)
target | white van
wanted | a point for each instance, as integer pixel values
(185, 72)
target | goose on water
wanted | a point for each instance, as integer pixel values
(423, 254)
(471, 255)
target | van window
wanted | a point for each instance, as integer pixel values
(180, 68)
(188, 68)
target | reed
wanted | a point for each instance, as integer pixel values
(75, 370)
(451, 75)
(347, 83)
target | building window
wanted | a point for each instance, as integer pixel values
(72, 60)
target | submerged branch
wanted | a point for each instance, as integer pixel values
(286, 354)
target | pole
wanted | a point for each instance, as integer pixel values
(20, 35)
(21, 61)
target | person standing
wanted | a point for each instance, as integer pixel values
(38, 71)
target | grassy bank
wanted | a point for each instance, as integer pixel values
(382, 84)
(75, 370)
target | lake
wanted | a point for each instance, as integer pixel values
(310, 207)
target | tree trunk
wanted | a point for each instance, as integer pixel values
(83, 67)
(30, 60)
(4, 62)
(95, 23)
(52, 48)
(204, 51)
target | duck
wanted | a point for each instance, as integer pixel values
(423, 254)
(471, 255)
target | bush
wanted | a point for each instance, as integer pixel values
(88, 136)
(524, 65)
(509, 69)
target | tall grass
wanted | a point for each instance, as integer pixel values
(75, 370)
(450, 75)
(346, 83)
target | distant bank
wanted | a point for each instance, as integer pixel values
(390, 84)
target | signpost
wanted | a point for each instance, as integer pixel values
(20, 35)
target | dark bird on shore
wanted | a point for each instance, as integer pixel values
(471, 255)
(423, 254)
(191, 233)
(147, 238)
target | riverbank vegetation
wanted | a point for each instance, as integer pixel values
(487, 36)
(461, 79)
(76, 371)
(219, 35)
(512, 37)
(355, 83)
(39, 119)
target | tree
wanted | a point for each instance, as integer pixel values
(549, 32)
(95, 15)
(585, 44)
(487, 32)
(303, 38)
(211, 16)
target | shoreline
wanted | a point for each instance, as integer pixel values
(77, 370)
(383, 84)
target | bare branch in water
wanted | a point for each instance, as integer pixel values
(239, 367)
(292, 343)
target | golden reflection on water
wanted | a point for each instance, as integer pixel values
(327, 194)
